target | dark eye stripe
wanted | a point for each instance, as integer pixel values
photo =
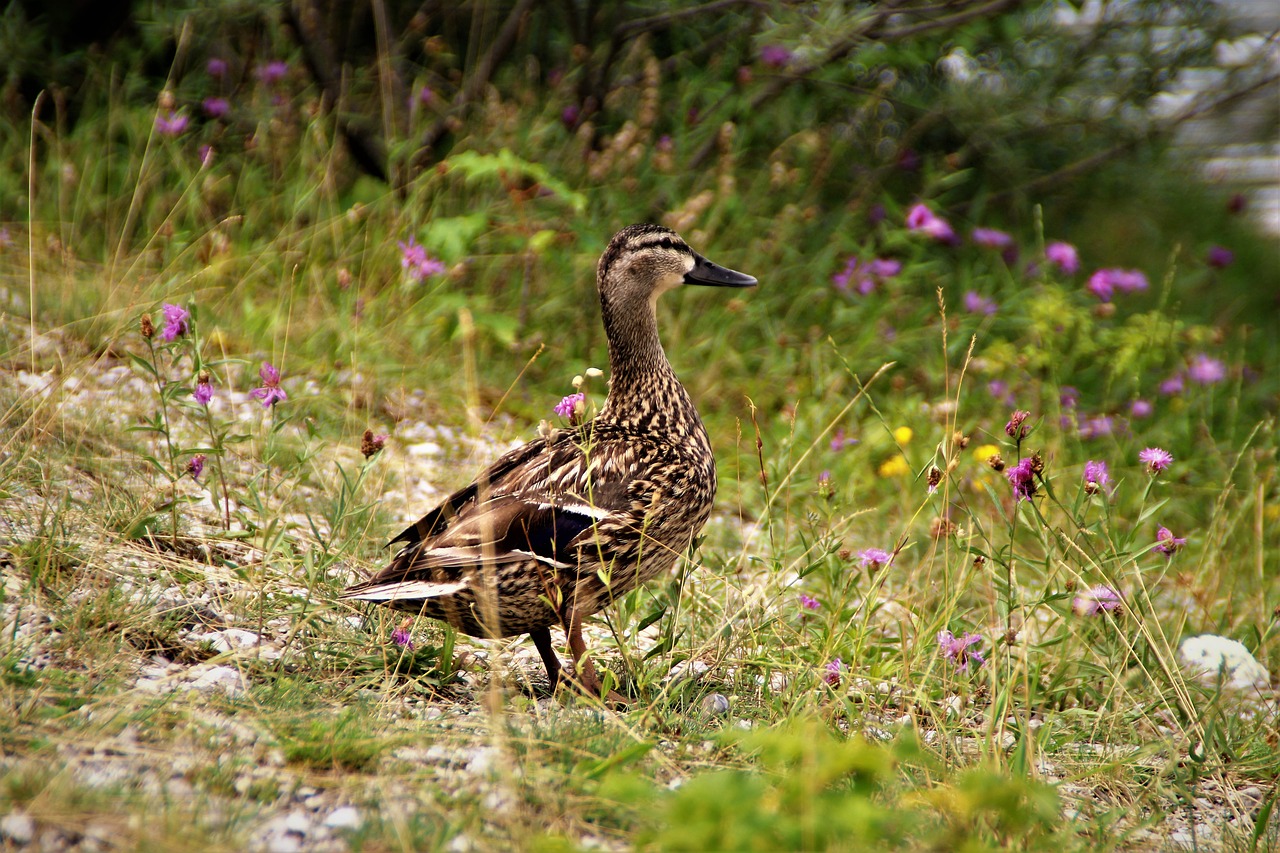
(662, 243)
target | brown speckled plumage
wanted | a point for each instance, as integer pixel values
(556, 529)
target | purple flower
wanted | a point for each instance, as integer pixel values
(1220, 257)
(884, 267)
(270, 393)
(867, 275)
(216, 107)
(844, 278)
(415, 259)
(1105, 282)
(1141, 409)
(402, 637)
(1023, 479)
(204, 389)
(1068, 396)
(999, 389)
(873, 558)
(1205, 370)
(991, 238)
(775, 56)
(172, 124)
(839, 441)
(424, 95)
(175, 322)
(568, 406)
(920, 218)
(1064, 256)
(1155, 459)
(808, 602)
(273, 72)
(1167, 543)
(1172, 385)
(1095, 600)
(1098, 426)
(834, 671)
(1096, 477)
(975, 303)
(569, 116)
(1015, 428)
(956, 649)
(195, 467)
(216, 67)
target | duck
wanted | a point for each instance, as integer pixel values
(558, 528)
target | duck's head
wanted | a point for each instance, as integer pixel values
(644, 261)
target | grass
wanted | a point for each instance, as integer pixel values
(829, 411)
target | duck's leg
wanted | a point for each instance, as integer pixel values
(542, 641)
(585, 670)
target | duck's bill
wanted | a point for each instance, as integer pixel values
(707, 273)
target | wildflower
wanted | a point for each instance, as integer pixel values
(1205, 370)
(195, 466)
(371, 444)
(956, 649)
(415, 259)
(824, 485)
(835, 669)
(216, 66)
(1167, 543)
(991, 238)
(839, 441)
(775, 56)
(999, 389)
(1098, 426)
(569, 116)
(146, 327)
(216, 107)
(1095, 600)
(977, 304)
(270, 393)
(903, 435)
(894, 466)
(1064, 256)
(1068, 396)
(171, 124)
(1014, 428)
(273, 72)
(921, 218)
(1036, 464)
(1220, 257)
(1105, 282)
(175, 322)
(568, 407)
(402, 636)
(424, 95)
(1172, 385)
(808, 602)
(884, 267)
(204, 388)
(1022, 478)
(935, 477)
(983, 452)
(865, 277)
(1096, 477)
(995, 461)
(873, 558)
(1155, 459)
(1140, 409)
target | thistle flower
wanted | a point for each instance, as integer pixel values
(1096, 477)
(1167, 543)
(1022, 478)
(402, 635)
(1095, 600)
(775, 56)
(216, 107)
(839, 441)
(371, 444)
(957, 649)
(1064, 256)
(1155, 459)
(1140, 409)
(171, 124)
(1205, 370)
(920, 218)
(568, 406)
(204, 388)
(975, 303)
(216, 66)
(1105, 282)
(1220, 257)
(873, 558)
(270, 393)
(195, 466)
(273, 72)
(808, 602)
(935, 477)
(834, 671)
(991, 238)
(1015, 428)
(415, 259)
(1173, 385)
(175, 322)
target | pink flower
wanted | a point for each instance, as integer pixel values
(1155, 459)
(775, 56)
(808, 602)
(1023, 479)
(956, 649)
(175, 321)
(204, 390)
(873, 558)
(1098, 599)
(1167, 543)
(216, 67)
(920, 218)
(568, 406)
(172, 124)
(975, 303)
(1205, 370)
(195, 466)
(415, 259)
(991, 238)
(1105, 282)
(1064, 256)
(273, 72)
(834, 670)
(1141, 409)
(216, 107)
(1096, 477)
(270, 393)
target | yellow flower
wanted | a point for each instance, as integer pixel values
(903, 434)
(1272, 512)
(894, 466)
(985, 452)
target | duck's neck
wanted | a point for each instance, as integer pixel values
(644, 392)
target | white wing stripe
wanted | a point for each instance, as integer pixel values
(410, 590)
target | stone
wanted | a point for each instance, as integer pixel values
(344, 817)
(218, 678)
(18, 828)
(1207, 656)
(715, 705)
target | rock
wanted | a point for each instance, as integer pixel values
(481, 760)
(345, 817)
(1208, 656)
(715, 705)
(218, 678)
(18, 828)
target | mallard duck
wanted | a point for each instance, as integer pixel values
(556, 529)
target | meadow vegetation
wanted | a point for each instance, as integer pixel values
(990, 446)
